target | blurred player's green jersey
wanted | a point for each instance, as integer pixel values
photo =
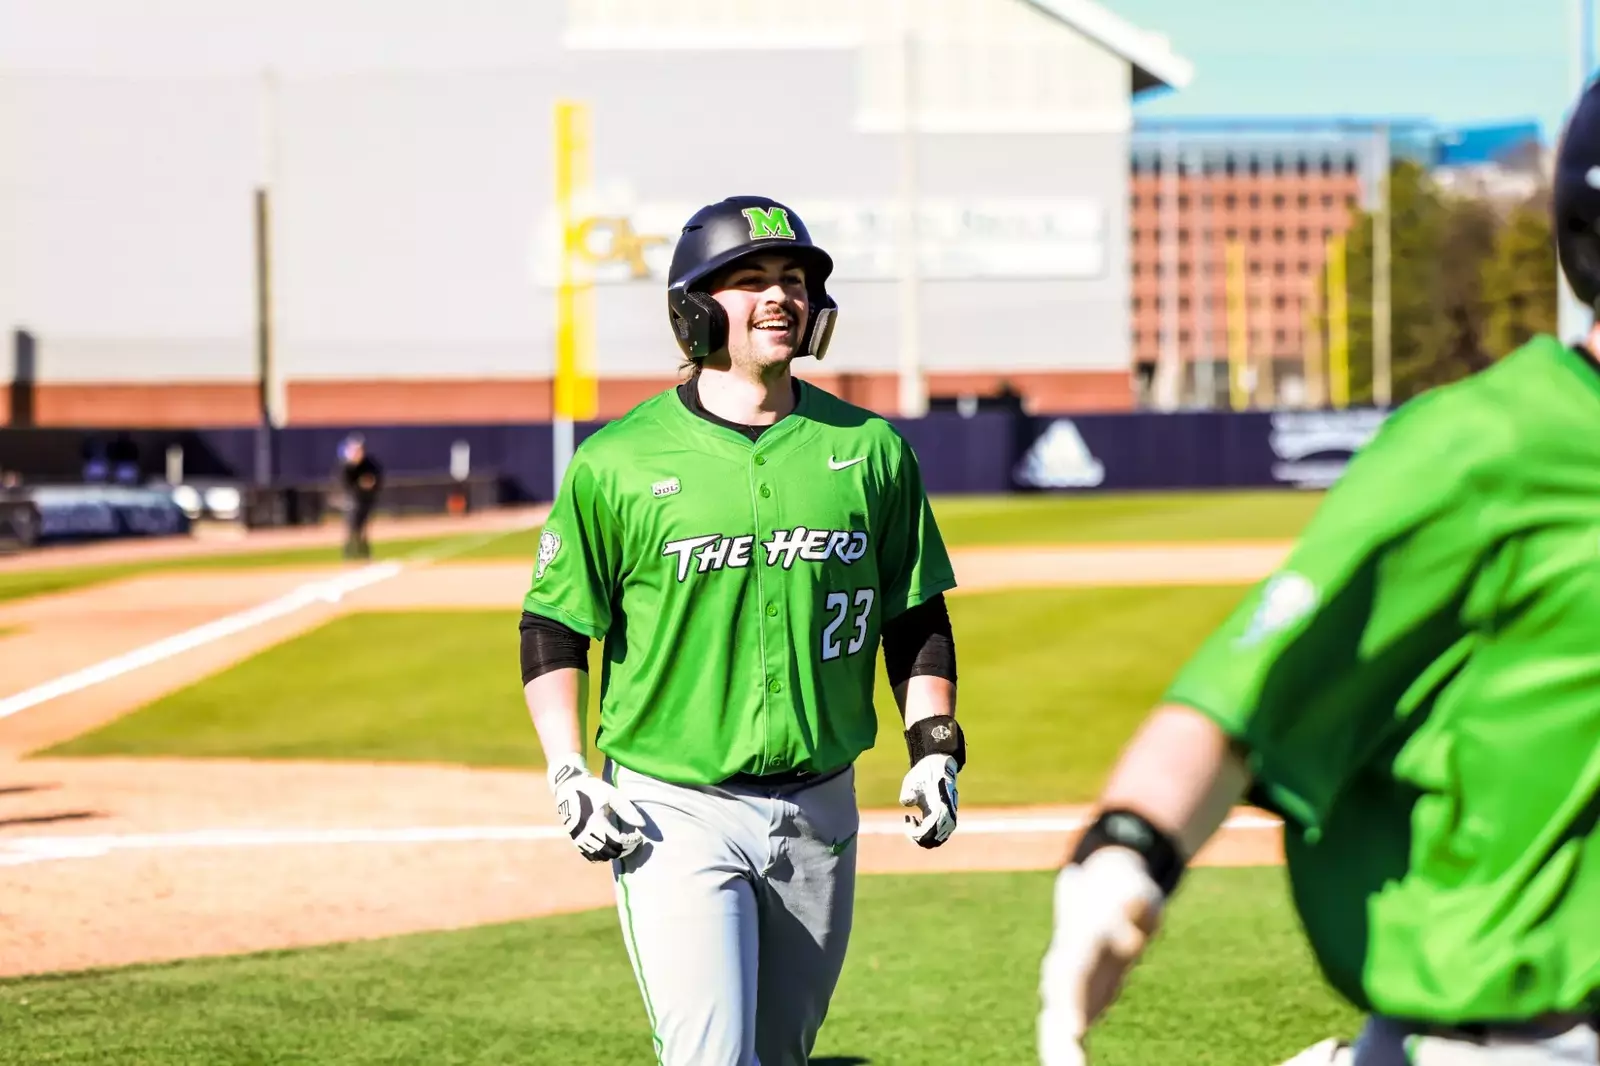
(740, 587)
(1419, 688)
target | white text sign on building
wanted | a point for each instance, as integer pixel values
(992, 239)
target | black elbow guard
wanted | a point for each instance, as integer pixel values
(548, 645)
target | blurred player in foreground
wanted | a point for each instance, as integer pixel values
(1417, 693)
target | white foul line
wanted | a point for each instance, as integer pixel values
(20, 851)
(329, 590)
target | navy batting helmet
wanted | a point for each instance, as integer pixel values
(719, 235)
(1576, 197)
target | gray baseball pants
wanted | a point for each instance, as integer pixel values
(736, 913)
(1384, 1042)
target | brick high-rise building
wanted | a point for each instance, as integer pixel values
(1274, 192)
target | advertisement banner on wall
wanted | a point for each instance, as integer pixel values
(1060, 459)
(1311, 448)
(1303, 449)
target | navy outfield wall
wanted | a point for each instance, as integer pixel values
(986, 452)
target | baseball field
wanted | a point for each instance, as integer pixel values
(261, 806)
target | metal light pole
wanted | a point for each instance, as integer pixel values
(1205, 370)
(1382, 386)
(269, 376)
(913, 389)
(1169, 371)
(1573, 319)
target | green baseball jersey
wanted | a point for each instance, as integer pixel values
(740, 587)
(1419, 690)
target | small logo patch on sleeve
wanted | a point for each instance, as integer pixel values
(665, 488)
(1285, 600)
(549, 544)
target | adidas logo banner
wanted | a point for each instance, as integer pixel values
(1059, 459)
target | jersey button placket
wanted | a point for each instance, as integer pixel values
(777, 649)
(777, 639)
(774, 641)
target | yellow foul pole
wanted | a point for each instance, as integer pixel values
(1338, 324)
(576, 392)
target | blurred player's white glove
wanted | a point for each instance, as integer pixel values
(603, 823)
(1106, 910)
(930, 787)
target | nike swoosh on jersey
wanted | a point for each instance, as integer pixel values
(834, 464)
(838, 846)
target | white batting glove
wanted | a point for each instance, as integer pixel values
(930, 787)
(601, 821)
(1106, 910)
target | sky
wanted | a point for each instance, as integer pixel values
(1451, 61)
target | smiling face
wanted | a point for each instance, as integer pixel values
(767, 306)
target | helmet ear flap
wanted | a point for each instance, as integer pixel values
(699, 324)
(819, 331)
(712, 335)
(1578, 251)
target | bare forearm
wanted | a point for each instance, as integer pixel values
(925, 696)
(554, 702)
(1182, 773)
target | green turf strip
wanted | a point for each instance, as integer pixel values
(1052, 682)
(941, 969)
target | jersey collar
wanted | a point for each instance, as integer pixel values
(702, 423)
(689, 394)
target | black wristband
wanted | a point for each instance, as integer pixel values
(937, 735)
(1122, 828)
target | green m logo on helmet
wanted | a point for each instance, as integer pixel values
(765, 224)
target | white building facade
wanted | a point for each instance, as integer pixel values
(407, 151)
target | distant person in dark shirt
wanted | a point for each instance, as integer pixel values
(362, 478)
(122, 456)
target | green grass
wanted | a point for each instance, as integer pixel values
(519, 546)
(1113, 517)
(438, 686)
(1053, 681)
(971, 521)
(941, 969)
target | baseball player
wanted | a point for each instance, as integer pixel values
(742, 544)
(1416, 692)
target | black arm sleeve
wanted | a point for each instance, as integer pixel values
(548, 645)
(919, 641)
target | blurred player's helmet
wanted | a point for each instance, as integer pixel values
(723, 233)
(1576, 197)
